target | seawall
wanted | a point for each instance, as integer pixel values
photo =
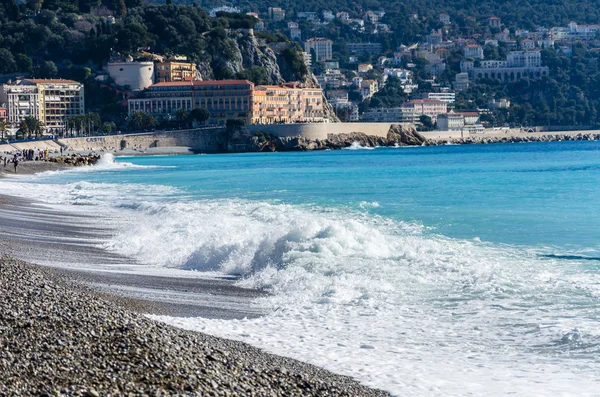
(198, 140)
(320, 131)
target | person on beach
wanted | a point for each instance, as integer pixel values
(15, 162)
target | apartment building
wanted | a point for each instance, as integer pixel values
(224, 99)
(427, 107)
(448, 97)
(364, 48)
(51, 101)
(473, 51)
(276, 13)
(389, 115)
(174, 69)
(286, 103)
(322, 48)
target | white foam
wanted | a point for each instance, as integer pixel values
(386, 302)
(357, 146)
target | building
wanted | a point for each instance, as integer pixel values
(389, 115)
(473, 51)
(287, 103)
(343, 16)
(50, 101)
(405, 77)
(495, 22)
(364, 48)
(450, 122)
(445, 19)
(448, 97)
(232, 10)
(575, 32)
(364, 67)
(518, 65)
(500, 104)
(328, 15)
(426, 107)
(276, 14)
(528, 44)
(233, 99)
(307, 58)
(368, 88)
(371, 17)
(175, 69)
(322, 48)
(135, 75)
(223, 99)
(3, 113)
(309, 16)
(296, 34)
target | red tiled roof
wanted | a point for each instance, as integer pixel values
(200, 83)
(425, 101)
(52, 81)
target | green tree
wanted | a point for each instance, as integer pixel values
(24, 63)
(199, 115)
(138, 121)
(7, 61)
(3, 128)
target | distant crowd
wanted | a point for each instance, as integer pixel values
(26, 155)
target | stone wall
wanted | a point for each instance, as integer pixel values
(321, 130)
(199, 140)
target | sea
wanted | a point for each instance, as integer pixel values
(459, 270)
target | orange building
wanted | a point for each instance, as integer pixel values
(286, 103)
(233, 99)
(174, 70)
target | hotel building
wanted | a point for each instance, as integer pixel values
(50, 101)
(224, 99)
(233, 99)
(287, 103)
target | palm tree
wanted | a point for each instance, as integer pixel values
(3, 128)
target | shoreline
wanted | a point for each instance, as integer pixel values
(75, 331)
(64, 339)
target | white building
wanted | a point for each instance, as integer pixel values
(473, 51)
(296, 34)
(51, 101)
(328, 15)
(136, 75)
(389, 115)
(518, 65)
(575, 32)
(461, 81)
(448, 97)
(322, 48)
(445, 19)
(450, 122)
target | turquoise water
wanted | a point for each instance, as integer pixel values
(426, 271)
(539, 195)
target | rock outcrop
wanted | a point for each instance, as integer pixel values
(399, 135)
(404, 135)
(474, 139)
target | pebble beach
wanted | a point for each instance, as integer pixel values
(60, 338)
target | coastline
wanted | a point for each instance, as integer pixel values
(63, 339)
(75, 331)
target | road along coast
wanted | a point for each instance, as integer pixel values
(62, 339)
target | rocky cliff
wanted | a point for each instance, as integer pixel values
(398, 135)
(242, 55)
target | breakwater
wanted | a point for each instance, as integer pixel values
(483, 139)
